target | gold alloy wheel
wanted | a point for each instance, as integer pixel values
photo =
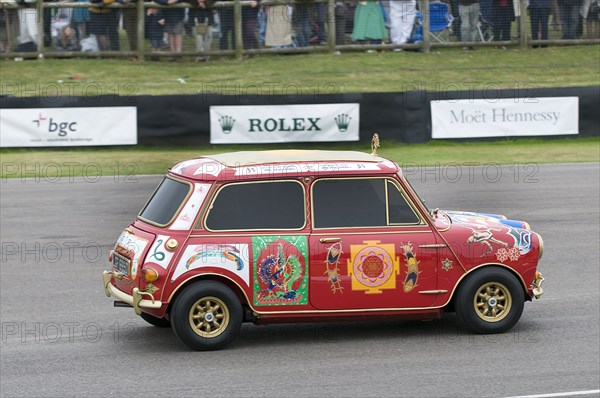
(492, 302)
(209, 317)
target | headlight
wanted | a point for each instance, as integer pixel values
(149, 274)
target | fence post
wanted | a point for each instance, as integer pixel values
(237, 28)
(331, 29)
(424, 8)
(140, 13)
(522, 27)
(39, 9)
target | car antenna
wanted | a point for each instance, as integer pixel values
(375, 144)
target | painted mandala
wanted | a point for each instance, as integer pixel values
(502, 254)
(373, 266)
(514, 253)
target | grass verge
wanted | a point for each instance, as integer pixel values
(312, 74)
(127, 162)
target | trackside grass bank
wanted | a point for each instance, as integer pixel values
(311, 74)
(129, 162)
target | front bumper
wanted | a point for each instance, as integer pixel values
(536, 286)
(135, 299)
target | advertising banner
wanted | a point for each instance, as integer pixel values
(89, 126)
(512, 117)
(284, 123)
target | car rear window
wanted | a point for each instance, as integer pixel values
(257, 206)
(165, 202)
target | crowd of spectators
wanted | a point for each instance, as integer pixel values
(97, 27)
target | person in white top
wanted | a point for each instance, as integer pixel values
(402, 19)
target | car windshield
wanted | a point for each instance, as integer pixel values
(165, 202)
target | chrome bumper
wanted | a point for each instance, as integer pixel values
(536, 286)
(135, 300)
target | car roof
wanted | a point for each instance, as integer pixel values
(281, 163)
(233, 159)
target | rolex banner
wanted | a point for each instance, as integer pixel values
(284, 123)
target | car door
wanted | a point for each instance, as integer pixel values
(369, 246)
(255, 234)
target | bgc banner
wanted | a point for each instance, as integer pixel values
(284, 123)
(505, 117)
(44, 127)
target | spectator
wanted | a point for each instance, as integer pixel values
(130, 25)
(61, 18)
(320, 17)
(569, 10)
(504, 15)
(67, 39)
(279, 28)
(28, 32)
(203, 20)
(385, 9)
(350, 8)
(250, 25)
(539, 12)
(402, 19)
(103, 23)
(556, 18)
(593, 20)
(227, 27)
(81, 18)
(173, 24)
(301, 22)
(340, 23)
(154, 27)
(454, 10)
(562, 11)
(469, 18)
(368, 23)
(47, 12)
(580, 22)
(7, 19)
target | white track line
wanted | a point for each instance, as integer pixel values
(559, 394)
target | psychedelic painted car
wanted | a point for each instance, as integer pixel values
(292, 236)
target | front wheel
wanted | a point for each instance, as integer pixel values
(490, 301)
(207, 315)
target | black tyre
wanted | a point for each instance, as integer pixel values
(152, 320)
(206, 316)
(490, 301)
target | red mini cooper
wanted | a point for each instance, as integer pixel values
(292, 236)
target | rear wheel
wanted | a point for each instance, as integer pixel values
(490, 301)
(159, 322)
(206, 315)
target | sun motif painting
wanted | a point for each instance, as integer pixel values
(373, 267)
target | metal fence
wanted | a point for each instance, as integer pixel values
(201, 29)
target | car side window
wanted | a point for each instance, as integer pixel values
(400, 211)
(258, 206)
(359, 202)
(339, 203)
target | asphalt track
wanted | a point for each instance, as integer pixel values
(62, 337)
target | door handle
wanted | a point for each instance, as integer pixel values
(329, 240)
(434, 246)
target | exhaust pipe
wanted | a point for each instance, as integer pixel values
(118, 303)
